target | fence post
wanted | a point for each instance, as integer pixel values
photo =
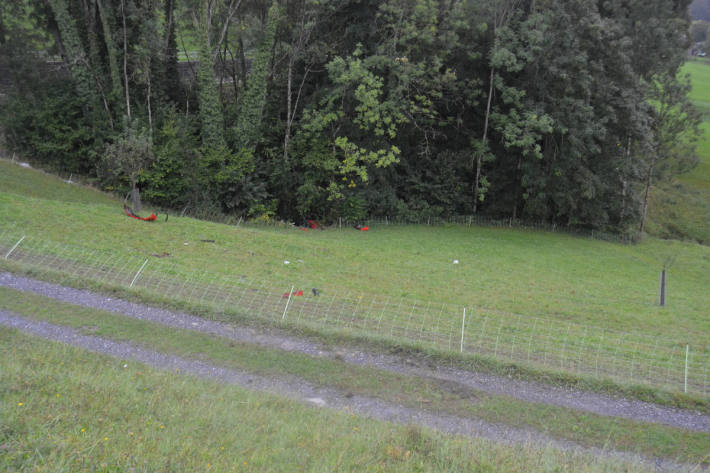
(662, 289)
(564, 347)
(463, 327)
(13, 248)
(138, 273)
(287, 302)
(687, 353)
(531, 337)
(384, 307)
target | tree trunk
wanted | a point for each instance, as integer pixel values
(242, 62)
(125, 60)
(289, 82)
(479, 158)
(519, 190)
(625, 185)
(150, 113)
(646, 192)
(135, 197)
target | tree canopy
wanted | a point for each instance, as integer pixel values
(565, 111)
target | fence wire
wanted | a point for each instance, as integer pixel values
(530, 341)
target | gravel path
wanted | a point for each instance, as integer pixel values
(302, 391)
(524, 390)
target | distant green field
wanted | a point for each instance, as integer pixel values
(700, 95)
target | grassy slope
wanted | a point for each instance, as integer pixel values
(588, 429)
(532, 273)
(682, 209)
(64, 410)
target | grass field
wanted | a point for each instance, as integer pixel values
(524, 272)
(564, 301)
(64, 410)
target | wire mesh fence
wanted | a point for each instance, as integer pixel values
(530, 341)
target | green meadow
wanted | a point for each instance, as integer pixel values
(531, 273)
(65, 410)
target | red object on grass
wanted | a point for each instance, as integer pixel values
(127, 210)
(364, 229)
(299, 293)
(313, 224)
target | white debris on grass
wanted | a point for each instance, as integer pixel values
(316, 400)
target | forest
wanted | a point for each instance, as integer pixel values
(558, 111)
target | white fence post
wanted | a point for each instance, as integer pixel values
(13, 248)
(138, 273)
(687, 353)
(287, 303)
(463, 327)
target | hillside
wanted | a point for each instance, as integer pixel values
(526, 292)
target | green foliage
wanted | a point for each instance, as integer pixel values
(391, 97)
(247, 130)
(126, 158)
(337, 138)
(211, 118)
(170, 180)
(50, 127)
(226, 181)
(76, 53)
